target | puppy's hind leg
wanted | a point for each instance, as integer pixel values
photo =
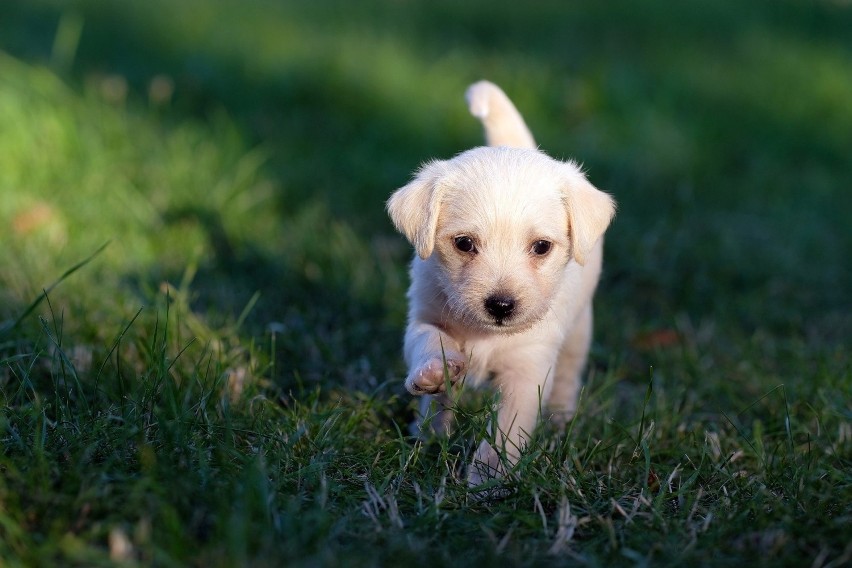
(435, 413)
(503, 124)
(569, 368)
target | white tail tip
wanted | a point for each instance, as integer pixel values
(503, 124)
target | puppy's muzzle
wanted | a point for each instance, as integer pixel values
(500, 307)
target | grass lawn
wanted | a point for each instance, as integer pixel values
(202, 300)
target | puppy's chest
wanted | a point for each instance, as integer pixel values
(483, 362)
(478, 372)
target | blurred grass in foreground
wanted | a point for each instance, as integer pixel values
(220, 385)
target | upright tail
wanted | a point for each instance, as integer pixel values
(503, 124)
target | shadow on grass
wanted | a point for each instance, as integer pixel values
(331, 318)
(329, 311)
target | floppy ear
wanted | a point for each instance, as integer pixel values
(414, 208)
(590, 211)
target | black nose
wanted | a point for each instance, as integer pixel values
(501, 307)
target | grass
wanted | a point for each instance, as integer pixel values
(221, 383)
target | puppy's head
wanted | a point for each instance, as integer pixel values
(499, 225)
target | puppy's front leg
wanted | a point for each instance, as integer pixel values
(427, 350)
(523, 390)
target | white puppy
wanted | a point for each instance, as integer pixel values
(509, 246)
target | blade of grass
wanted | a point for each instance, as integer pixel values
(46, 291)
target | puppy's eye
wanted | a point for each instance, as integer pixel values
(464, 244)
(541, 248)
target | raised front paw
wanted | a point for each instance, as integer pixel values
(428, 378)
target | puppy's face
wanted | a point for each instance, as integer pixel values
(500, 225)
(501, 245)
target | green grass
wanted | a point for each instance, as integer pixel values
(222, 383)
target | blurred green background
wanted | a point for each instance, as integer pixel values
(258, 140)
(236, 156)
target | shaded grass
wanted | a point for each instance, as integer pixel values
(220, 386)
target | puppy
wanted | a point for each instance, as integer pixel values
(508, 248)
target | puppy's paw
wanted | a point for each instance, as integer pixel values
(428, 378)
(559, 418)
(486, 465)
(485, 469)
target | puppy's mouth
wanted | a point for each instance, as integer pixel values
(509, 326)
(504, 322)
(486, 323)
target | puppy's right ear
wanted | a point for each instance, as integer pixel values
(414, 208)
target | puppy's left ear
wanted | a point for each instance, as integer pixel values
(590, 211)
(414, 208)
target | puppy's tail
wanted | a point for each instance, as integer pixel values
(502, 121)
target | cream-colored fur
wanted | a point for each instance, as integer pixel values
(483, 297)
